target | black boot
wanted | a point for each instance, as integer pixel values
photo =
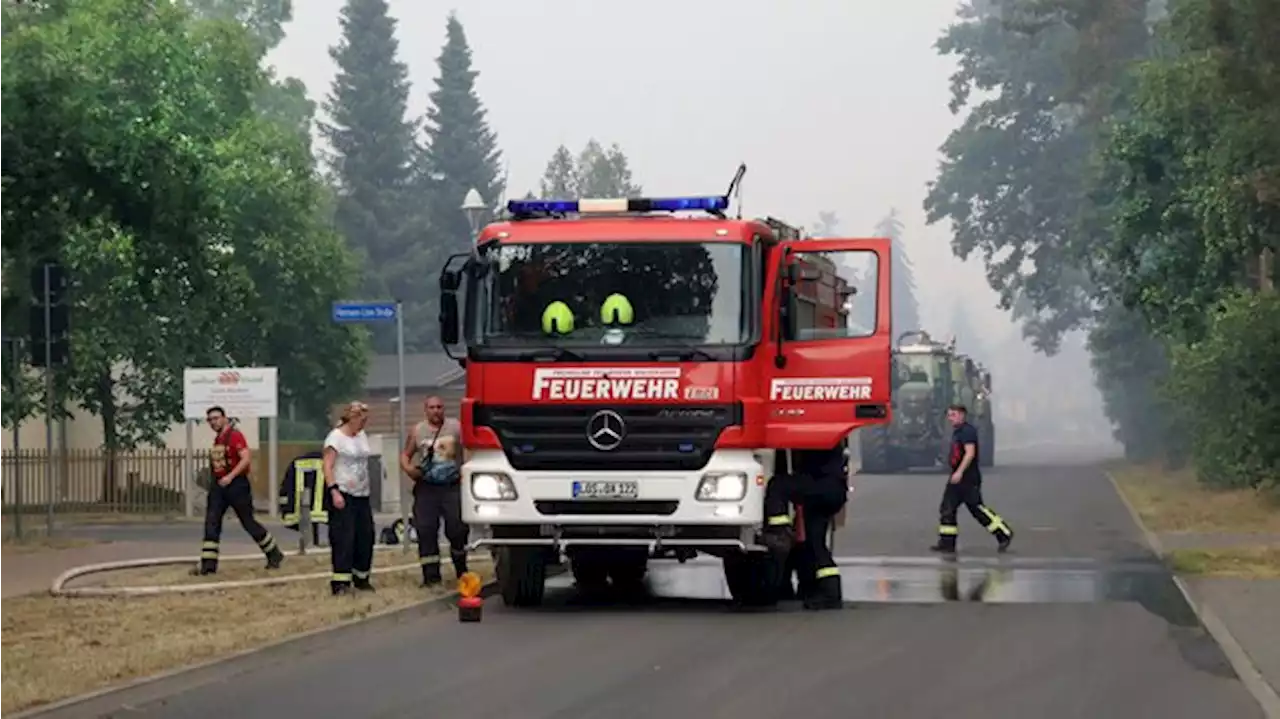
(826, 594)
(203, 571)
(275, 558)
(1005, 539)
(459, 563)
(339, 588)
(431, 575)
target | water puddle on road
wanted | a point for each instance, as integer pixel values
(910, 580)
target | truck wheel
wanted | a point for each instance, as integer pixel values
(522, 575)
(754, 578)
(875, 450)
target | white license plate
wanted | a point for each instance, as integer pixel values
(606, 490)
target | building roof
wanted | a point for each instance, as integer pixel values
(429, 369)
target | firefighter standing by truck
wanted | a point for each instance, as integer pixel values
(817, 483)
(437, 493)
(964, 487)
(229, 462)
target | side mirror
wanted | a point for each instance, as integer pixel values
(450, 281)
(448, 317)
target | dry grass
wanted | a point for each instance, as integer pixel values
(56, 648)
(1174, 502)
(29, 545)
(1244, 562)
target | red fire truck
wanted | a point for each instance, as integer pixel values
(636, 369)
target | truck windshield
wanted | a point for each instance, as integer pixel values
(617, 293)
(917, 368)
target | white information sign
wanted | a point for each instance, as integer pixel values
(241, 391)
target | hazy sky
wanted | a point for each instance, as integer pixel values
(833, 105)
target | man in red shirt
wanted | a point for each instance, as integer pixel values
(229, 460)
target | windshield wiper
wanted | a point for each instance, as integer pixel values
(685, 353)
(555, 353)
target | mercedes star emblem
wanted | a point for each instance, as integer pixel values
(605, 430)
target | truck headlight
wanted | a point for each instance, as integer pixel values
(491, 487)
(727, 487)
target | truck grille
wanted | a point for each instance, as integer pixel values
(554, 437)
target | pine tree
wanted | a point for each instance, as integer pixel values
(559, 181)
(373, 151)
(461, 151)
(604, 173)
(906, 311)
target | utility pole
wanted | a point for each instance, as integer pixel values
(49, 327)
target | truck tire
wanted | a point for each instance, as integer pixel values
(754, 578)
(522, 575)
(876, 452)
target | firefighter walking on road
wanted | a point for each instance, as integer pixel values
(431, 457)
(964, 487)
(229, 462)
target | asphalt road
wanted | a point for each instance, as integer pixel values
(1079, 620)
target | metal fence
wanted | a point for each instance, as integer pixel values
(93, 480)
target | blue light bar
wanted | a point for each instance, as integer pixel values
(530, 208)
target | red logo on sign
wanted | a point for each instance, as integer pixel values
(228, 378)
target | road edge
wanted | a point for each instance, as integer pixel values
(1241, 662)
(213, 667)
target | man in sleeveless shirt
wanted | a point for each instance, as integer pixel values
(437, 494)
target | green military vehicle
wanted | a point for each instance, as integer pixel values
(928, 376)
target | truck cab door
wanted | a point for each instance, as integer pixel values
(830, 371)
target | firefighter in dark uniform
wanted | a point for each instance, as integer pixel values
(818, 485)
(229, 461)
(964, 487)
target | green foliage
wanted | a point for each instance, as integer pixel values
(1226, 388)
(1017, 173)
(1131, 366)
(1195, 170)
(191, 226)
(461, 151)
(596, 172)
(372, 164)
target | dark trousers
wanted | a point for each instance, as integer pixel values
(351, 541)
(820, 499)
(968, 494)
(433, 504)
(238, 497)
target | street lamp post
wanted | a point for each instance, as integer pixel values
(474, 207)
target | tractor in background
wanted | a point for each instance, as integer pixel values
(928, 376)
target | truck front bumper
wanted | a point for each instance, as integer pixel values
(664, 513)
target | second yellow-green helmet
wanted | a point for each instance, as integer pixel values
(617, 309)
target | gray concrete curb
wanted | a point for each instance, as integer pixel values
(109, 700)
(1262, 691)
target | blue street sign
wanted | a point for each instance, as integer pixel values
(364, 311)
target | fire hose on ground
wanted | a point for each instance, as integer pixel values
(59, 588)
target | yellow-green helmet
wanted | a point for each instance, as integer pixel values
(617, 309)
(557, 318)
